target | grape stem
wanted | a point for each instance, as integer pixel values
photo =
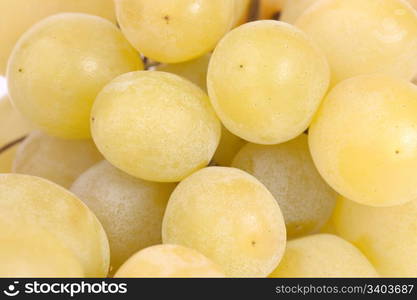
(12, 143)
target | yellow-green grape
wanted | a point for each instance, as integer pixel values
(28, 251)
(38, 202)
(55, 159)
(241, 11)
(129, 209)
(155, 125)
(288, 172)
(254, 80)
(193, 70)
(363, 140)
(413, 3)
(364, 36)
(16, 16)
(173, 31)
(12, 128)
(269, 9)
(229, 216)
(387, 235)
(6, 159)
(168, 261)
(229, 145)
(292, 9)
(323, 255)
(329, 227)
(58, 67)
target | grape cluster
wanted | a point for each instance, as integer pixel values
(210, 138)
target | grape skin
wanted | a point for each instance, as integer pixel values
(288, 171)
(293, 9)
(29, 251)
(323, 255)
(168, 261)
(229, 216)
(268, 9)
(60, 161)
(58, 67)
(387, 235)
(196, 72)
(254, 80)
(173, 31)
(241, 11)
(155, 126)
(129, 209)
(12, 127)
(17, 16)
(363, 37)
(363, 140)
(35, 201)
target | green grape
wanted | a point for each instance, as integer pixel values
(323, 255)
(387, 235)
(364, 36)
(364, 139)
(155, 125)
(229, 216)
(168, 261)
(288, 171)
(17, 16)
(173, 31)
(329, 227)
(60, 161)
(38, 202)
(254, 81)
(229, 145)
(293, 9)
(241, 11)
(60, 64)
(413, 3)
(12, 128)
(268, 9)
(193, 70)
(129, 209)
(28, 251)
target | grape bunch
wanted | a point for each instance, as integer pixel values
(210, 138)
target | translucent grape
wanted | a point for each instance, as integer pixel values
(35, 201)
(323, 255)
(155, 126)
(270, 9)
(58, 67)
(229, 216)
(387, 235)
(364, 140)
(173, 31)
(229, 145)
(292, 9)
(254, 81)
(16, 16)
(288, 172)
(129, 209)
(57, 160)
(362, 37)
(169, 261)
(28, 251)
(193, 70)
(12, 128)
(241, 11)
